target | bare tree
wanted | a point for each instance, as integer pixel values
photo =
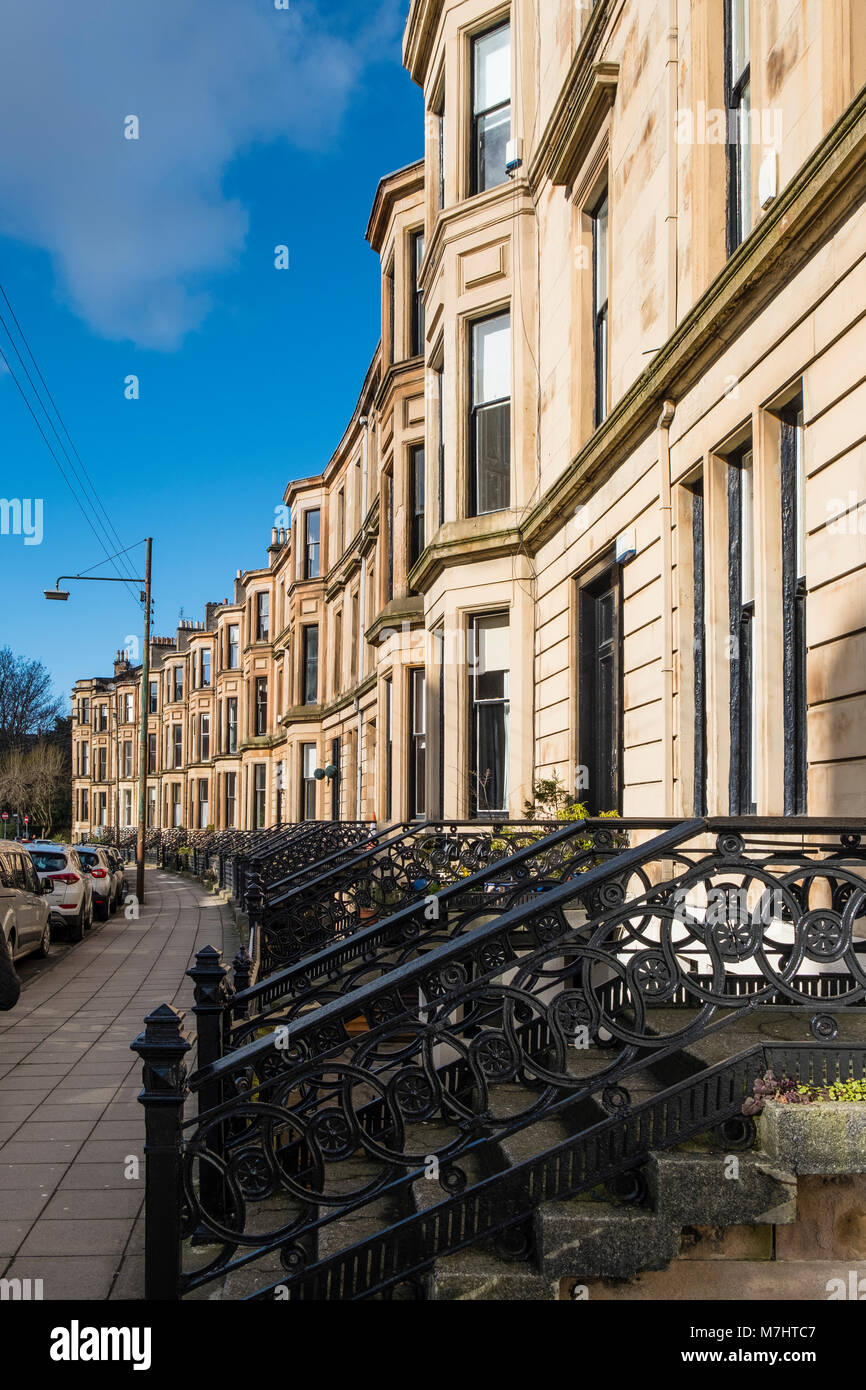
(35, 781)
(14, 781)
(27, 703)
(47, 777)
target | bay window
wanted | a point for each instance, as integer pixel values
(416, 243)
(260, 773)
(417, 744)
(600, 307)
(310, 659)
(738, 105)
(308, 781)
(261, 706)
(491, 107)
(490, 423)
(312, 541)
(416, 503)
(489, 706)
(263, 606)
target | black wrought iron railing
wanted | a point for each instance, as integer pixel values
(406, 864)
(556, 1009)
(294, 850)
(459, 878)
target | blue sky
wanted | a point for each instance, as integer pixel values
(155, 258)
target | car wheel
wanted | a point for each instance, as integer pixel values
(45, 944)
(103, 910)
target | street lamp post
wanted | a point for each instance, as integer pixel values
(62, 595)
(142, 735)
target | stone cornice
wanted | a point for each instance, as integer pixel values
(565, 130)
(465, 542)
(808, 212)
(391, 189)
(418, 37)
(409, 610)
(577, 117)
(348, 697)
(301, 714)
(346, 566)
(397, 375)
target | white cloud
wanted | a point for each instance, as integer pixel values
(135, 227)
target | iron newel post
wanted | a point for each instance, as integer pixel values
(162, 1047)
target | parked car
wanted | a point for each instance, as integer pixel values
(103, 877)
(25, 919)
(71, 895)
(117, 860)
(10, 985)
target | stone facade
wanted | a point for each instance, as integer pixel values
(600, 511)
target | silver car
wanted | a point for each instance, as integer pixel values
(103, 877)
(24, 916)
(70, 899)
(119, 864)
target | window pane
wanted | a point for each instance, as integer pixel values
(417, 504)
(312, 545)
(600, 254)
(418, 702)
(744, 164)
(491, 657)
(311, 665)
(800, 495)
(493, 134)
(739, 37)
(309, 757)
(491, 356)
(493, 458)
(747, 564)
(493, 68)
(492, 733)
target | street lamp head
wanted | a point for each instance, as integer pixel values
(61, 595)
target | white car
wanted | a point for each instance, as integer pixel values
(70, 900)
(103, 877)
(24, 917)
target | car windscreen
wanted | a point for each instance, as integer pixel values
(88, 858)
(46, 862)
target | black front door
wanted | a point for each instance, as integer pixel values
(599, 687)
(335, 780)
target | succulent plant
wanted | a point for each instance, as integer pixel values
(785, 1091)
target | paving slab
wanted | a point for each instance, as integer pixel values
(69, 1116)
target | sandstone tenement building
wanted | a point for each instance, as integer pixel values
(600, 510)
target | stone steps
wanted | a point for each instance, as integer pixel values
(694, 1192)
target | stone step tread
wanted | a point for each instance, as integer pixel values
(346, 1231)
(428, 1192)
(481, 1276)
(589, 1210)
(534, 1139)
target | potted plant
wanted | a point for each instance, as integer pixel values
(811, 1128)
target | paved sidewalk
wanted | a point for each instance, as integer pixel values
(69, 1118)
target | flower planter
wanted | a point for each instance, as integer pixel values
(828, 1137)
